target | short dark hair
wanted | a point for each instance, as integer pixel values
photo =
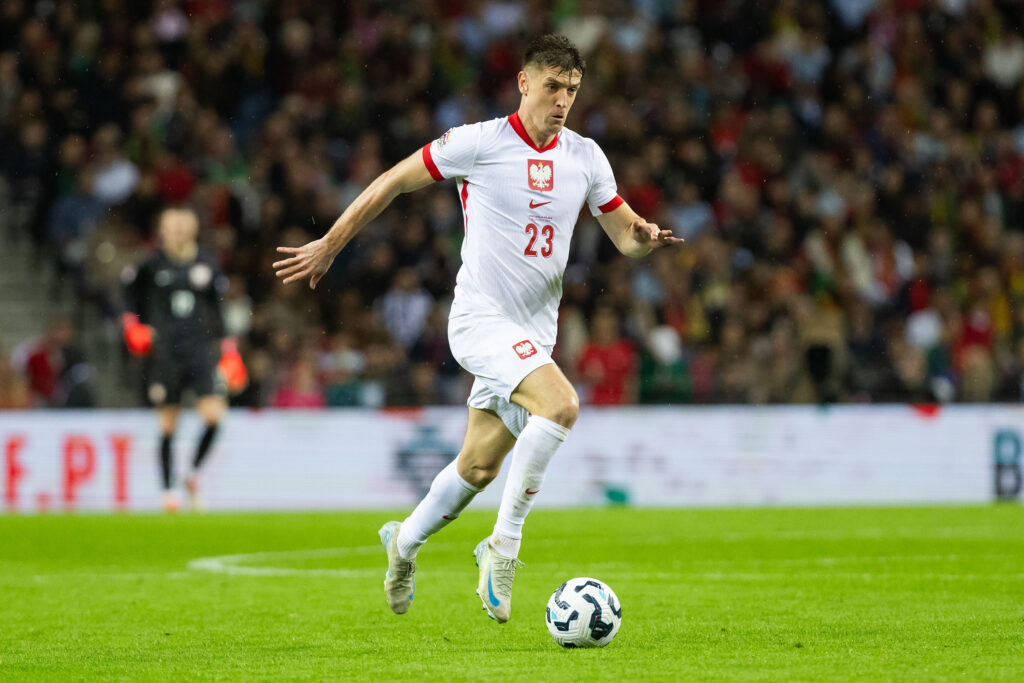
(553, 50)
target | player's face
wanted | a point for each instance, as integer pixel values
(178, 230)
(548, 95)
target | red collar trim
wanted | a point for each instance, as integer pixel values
(518, 127)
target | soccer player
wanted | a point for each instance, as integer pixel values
(522, 180)
(173, 316)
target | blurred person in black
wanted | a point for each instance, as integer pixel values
(173, 301)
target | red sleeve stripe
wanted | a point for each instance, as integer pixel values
(429, 162)
(612, 205)
(465, 196)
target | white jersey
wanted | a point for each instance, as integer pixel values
(520, 205)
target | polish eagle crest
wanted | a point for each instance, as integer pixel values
(540, 175)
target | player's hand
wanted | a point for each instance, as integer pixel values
(310, 260)
(137, 337)
(650, 234)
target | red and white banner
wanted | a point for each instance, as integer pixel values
(351, 458)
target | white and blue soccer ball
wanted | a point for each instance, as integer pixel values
(583, 612)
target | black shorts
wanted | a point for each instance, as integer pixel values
(168, 376)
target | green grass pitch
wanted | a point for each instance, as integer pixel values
(716, 594)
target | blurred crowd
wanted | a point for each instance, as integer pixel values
(848, 175)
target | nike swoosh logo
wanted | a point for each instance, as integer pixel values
(534, 206)
(447, 517)
(490, 592)
(530, 493)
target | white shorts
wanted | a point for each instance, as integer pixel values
(500, 354)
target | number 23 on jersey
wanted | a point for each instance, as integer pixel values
(545, 235)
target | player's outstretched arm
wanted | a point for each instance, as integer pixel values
(313, 259)
(632, 235)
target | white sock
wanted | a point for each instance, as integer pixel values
(530, 457)
(449, 494)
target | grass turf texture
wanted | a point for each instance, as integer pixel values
(778, 594)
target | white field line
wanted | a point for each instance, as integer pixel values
(241, 564)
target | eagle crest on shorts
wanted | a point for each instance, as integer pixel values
(540, 172)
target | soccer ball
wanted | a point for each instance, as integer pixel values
(583, 612)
